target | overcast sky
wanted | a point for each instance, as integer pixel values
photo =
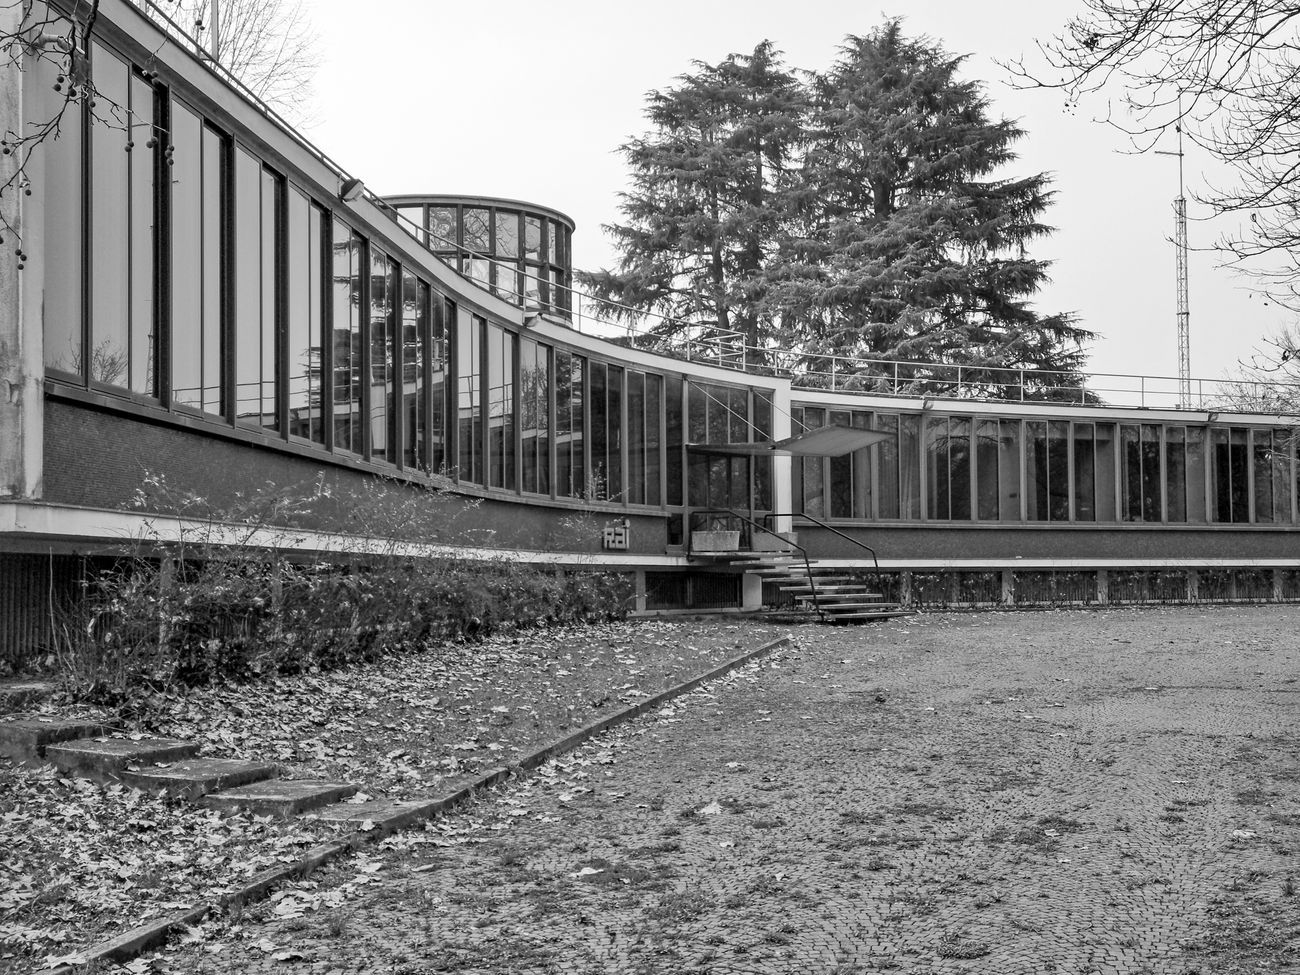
(530, 101)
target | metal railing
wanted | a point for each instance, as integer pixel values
(803, 515)
(731, 515)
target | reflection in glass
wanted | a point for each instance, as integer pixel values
(676, 438)
(477, 230)
(305, 330)
(187, 258)
(987, 444)
(442, 229)
(501, 406)
(636, 437)
(469, 375)
(532, 238)
(383, 358)
(61, 307)
(443, 316)
(1196, 442)
(143, 342)
(507, 227)
(1009, 470)
(415, 331)
(1107, 467)
(110, 244)
(1085, 488)
(346, 344)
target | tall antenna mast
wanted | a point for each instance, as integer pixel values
(1180, 258)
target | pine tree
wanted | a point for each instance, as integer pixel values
(906, 241)
(708, 197)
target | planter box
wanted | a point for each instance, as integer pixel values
(715, 541)
(781, 542)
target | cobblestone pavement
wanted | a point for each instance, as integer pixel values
(1013, 793)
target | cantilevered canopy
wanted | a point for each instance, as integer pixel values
(834, 440)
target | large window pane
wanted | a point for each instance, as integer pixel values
(614, 412)
(1151, 509)
(144, 344)
(306, 321)
(1196, 445)
(469, 359)
(346, 345)
(501, 406)
(653, 439)
(1009, 470)
(257, 216)
(1175, 474)
(986, 470)
(674, 419)
(959, 468)
(187, 258)
(476, 229)
(442, 229)
(1106, 465)
(887, 476)
(636, 437)
(1085, 485)
(599, 476)
(1282, 479)
(383, 358)
(443, 317)
(413, 391)
(814, 480)
(110, 244)
(569, 375)
(61, 307)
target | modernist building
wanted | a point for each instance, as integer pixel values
(204, 295)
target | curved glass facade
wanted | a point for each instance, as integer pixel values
(520, 251)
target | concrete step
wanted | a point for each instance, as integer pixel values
(887, 614)
(27, 738)
(193, 778)
(17, 695)
(279, 797)
(830, 598)
(107, 758)
(832, 588)
(861, 604)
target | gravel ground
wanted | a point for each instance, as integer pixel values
(82, 862)
(1082, 792)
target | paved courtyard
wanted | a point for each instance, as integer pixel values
(1108, 792)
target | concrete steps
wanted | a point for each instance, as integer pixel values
(27, 738)
(193, 778)
(167, 765)
(104, 759)
(279, 797)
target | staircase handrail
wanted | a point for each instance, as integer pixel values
(831, 528)
(730, 513)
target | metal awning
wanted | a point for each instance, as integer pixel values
(834, 440)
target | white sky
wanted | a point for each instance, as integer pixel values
(530, 100)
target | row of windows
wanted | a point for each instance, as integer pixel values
(957, 468)
(217, 287)
(523, 257)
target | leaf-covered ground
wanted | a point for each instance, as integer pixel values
(83, 862)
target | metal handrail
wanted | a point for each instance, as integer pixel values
(831, 528)
(730, 513)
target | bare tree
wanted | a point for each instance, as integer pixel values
(269, 45)
(1224, 72)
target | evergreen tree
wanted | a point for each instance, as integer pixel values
(708, 198)
(905, 241)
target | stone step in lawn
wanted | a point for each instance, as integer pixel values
(279, 797)
(15, 695)
(27, 739)
(107, 758)
(193, 778)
